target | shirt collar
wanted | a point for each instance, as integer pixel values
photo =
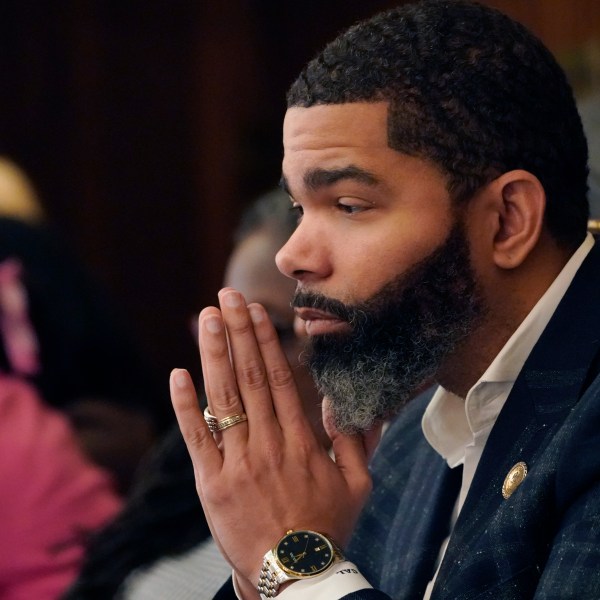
(451, 422)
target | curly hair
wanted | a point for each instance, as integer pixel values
(469, 89)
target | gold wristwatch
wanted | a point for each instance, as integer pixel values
(298, 555)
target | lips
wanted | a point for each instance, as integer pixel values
(319, 322)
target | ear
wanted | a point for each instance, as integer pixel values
(520, 202)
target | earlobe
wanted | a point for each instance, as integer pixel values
(521, 201)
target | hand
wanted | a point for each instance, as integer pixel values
(265, 476)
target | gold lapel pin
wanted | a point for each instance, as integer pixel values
(514, 479)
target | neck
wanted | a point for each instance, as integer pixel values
(460, 371)
(510, 295)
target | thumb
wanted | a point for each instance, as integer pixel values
(352, 452)
(352, 460)
(370, 439)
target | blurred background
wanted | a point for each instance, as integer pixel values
(147, 126)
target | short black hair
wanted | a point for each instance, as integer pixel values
(469, 89)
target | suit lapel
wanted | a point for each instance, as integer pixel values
(398, 536)
(421, 524)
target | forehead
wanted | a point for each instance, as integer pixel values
(351, 125)
(333, 139)
(324, 142)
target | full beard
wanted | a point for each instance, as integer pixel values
(399, 337)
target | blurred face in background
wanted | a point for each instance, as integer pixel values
(251, 270)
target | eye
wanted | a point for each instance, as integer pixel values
(298, 210)
(352, 207)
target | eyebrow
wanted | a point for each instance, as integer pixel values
(315, 179)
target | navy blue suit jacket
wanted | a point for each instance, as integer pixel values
(544, 541)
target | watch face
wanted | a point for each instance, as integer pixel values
(304, 553)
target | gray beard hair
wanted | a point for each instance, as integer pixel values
(376, 388)
(399, 337)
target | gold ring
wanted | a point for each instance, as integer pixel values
(215, 424)
(211, 420)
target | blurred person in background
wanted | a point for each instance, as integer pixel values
(18, 197)
(52, 497)
(60, 331)
(589, 108)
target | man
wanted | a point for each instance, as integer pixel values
(438, 164)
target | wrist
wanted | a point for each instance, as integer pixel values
(342, 579)
(244, 588)
(298, 555)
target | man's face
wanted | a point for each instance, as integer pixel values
(381, 259)
(398, 338)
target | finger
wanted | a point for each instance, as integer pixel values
(351, 460)
(370, 438)
(284, 392)
(203, 362)
(219, 378)
(248, 362)
(185, 404)
(206, 458)
(352, 453)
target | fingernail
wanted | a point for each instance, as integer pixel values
(232, 299)
(212, 324)
(256, 314)
(180, 377)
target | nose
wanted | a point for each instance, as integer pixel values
(305, 255)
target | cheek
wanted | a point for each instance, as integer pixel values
(367, 255)
(366, 268)
(362, 269)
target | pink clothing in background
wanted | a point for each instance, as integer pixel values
(51, 497)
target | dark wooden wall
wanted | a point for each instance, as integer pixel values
(147, 126)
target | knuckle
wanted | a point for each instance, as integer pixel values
(280, 377)
(219, 354)
(216, 495)
(227, 399)
(216, 352)
(273, 454)
(305, 450)
(196, 438)
(246, 466)
(253, 376)
(240, 327)
(249, 470)
(267, 336)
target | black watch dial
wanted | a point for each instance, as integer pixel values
(304, 553)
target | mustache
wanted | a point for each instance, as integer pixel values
(320, 302)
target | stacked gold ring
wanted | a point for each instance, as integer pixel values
(215, 424)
